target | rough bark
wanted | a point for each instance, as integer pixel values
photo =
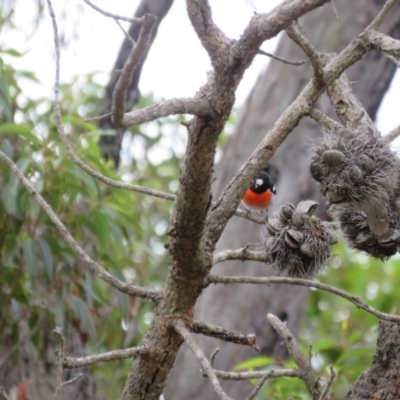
(382, 379)
(243, 308)
(110, 145)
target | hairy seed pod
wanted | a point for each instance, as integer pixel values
(357, 175)
(366, 163)
(333, 158)
(294, 238)
(286, 211)
(301, 247)
(335, 197)
(317, 171)
(306, 250)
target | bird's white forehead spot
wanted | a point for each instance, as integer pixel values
(259, 182)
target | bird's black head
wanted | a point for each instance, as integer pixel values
(263, 183)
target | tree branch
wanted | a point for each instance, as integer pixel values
(242, 376)
(203, 328)
(392, 135)
(294, 32)
(382, 14)
(240, 254)
(120, 90)
(179, 327)
(324, 120)
(60, 352)
(307, 374)
(194, 106)
(72, 362)
(303, 282)
(212, 38)
(131, 290)
(258, 387)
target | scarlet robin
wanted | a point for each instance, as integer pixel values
(259, 196)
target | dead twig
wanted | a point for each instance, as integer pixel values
(111, 15)
(324, 120)
(72, 362)
(392, 135)
(308, 376)
(294, 32)
(180, 327)
(281, 59)
(224, 334)
(60, 352)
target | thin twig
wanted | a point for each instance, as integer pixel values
(66, 235)
(73, 380)
(308, 376)
(325, 391)
(111, 15)
(60, 352)
(135, 57)
(382, 14)
(303, 282)
(294, 32)
(335, 10)
(213, 355)
(128, 37)
(98, 117)
(242, 376)
(324, 120)
(392, 59)
(74, 157)
(3, 394)
(180, 327)
(258, 387)
(281, 59)
(71, 362)
(224, 334)
(392, 135)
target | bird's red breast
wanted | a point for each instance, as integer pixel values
(257, 201)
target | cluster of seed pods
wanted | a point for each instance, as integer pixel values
(297, 243)
(360, 175)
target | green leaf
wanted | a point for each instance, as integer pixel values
(10, 193)
(256, 362)
(11, 52)
(30, 261)
(22, 130)
(47, 257)
(82, 313)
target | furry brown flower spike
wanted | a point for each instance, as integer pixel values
(297, 243)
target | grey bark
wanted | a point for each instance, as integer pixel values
(110, 145)
(240, 307)
(381, 380)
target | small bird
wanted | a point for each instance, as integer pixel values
(259, 196)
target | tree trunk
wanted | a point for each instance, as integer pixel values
(243, 307)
